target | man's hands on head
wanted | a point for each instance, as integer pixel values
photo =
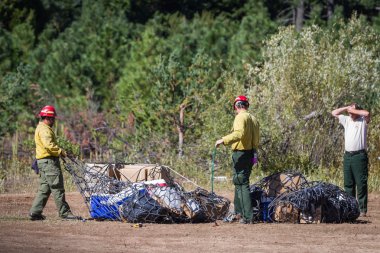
(339, 111)
(351, 109)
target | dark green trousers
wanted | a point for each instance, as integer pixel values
(50, 182)
(355, 178)
(242, 161)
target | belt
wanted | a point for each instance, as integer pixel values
(50, 157)
(351, 153)
(245, 151)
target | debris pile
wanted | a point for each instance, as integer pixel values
(149, 196)
(289, 197)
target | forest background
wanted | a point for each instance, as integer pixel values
(153, 81)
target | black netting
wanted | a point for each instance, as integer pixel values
(111, 193)
(267, 189)
(141, 207)
(322, 202)
(289, 197)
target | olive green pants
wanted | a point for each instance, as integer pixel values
(355, 169)
(242, 161)
(50, 181)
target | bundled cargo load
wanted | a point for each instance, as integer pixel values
(149, 193)
(289, 197)
(269, 188)
(142, 193)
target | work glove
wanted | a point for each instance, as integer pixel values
(63, 153)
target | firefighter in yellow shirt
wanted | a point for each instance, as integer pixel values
(244, 141)
(51, 179)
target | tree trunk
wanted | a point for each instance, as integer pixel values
(131, 122)
(299, 15)
(330, 9)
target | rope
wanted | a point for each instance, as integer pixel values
(187, 180)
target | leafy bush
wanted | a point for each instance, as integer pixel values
(304, 77)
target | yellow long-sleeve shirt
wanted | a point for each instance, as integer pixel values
(46, 142)
(245, 133)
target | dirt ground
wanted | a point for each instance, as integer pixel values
(18, 234)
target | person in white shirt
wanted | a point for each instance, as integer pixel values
(355, 163)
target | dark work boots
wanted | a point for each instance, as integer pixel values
(34, 216)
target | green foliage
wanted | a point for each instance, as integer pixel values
(14, 13)
(305, 77)
(246, 43)
(69, 147)
(143, 10)
(6, 59)
(15, 47)
(85, 59)
(120, 71)
(16, 101)
(177, 62)
(158, 78)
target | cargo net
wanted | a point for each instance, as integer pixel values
(289, 197)
(143, 194)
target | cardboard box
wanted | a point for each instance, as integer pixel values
(191, 208)
(286, 212)
(282, 183)
(142, 172)
(215, 207)
(130, 172)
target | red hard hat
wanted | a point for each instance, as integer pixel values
(241, 98)
(48, 111)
